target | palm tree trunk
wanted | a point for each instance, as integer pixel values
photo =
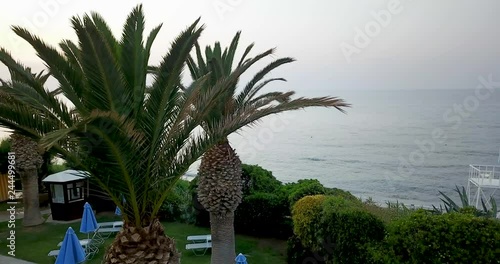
(220, 192)
(31, 203)
(222, 229)
(137, 245)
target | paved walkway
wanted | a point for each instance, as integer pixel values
(10, 260)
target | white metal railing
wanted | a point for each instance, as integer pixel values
(485, 174)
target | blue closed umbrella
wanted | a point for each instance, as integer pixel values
(241, 259)
(71, 251)
(118, 211)
(89, 223)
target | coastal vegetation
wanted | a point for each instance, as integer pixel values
(137, 128)
(137, 138)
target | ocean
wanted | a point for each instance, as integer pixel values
(403, 146)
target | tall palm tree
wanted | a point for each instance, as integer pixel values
(142, 142)
(28, 161)
(24, 141)
(219, 174)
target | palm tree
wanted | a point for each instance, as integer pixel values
(28, 161)
(142, 142)
(24, 141)
(219, 174)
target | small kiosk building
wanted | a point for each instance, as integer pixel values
(68, 191)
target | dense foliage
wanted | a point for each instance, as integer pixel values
(451, 206)
(336, 229)
(263, 214)
(306, 216)
(303, 187)
(258, 180)
(178, 204)
(266, 206)
(333, 226)
(448, 238)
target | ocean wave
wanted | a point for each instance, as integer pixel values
(314, 159)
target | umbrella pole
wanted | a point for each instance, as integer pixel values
(87, 249)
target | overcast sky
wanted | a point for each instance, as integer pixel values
(339, 44)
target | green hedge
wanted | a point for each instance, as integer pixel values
(306, 215)
(263, 214)
(448, 238)
(336, 229)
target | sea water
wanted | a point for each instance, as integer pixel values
(392, 146)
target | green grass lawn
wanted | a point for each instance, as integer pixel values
(34, 243)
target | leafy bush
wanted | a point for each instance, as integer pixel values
(351, 230)
(298, 254)
(306, 214)
(258, 180)
(296, 190)
(336, 229)
(263, 214)
(178, 204)
(424, 237)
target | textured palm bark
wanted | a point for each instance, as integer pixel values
(223, 242)
(31, 203)
(27, 162)
(220, 193)
(137, 245)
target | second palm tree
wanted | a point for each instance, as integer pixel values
(220, 184)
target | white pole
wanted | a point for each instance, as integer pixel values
(498, 155)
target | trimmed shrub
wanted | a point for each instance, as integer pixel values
(263, 214)
(349, 229)
(424, 237)
(306, 214)
(334, 229)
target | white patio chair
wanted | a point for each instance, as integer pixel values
(199, 244)
(110, 224)
(106, 232)
(199, 249)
